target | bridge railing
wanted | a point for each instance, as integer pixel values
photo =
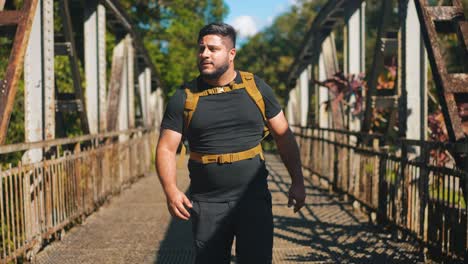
(38, 201)
(411, 185)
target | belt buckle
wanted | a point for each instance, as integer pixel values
(224, 159)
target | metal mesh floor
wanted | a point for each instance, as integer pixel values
(135, 227)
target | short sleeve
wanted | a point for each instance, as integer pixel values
(174, 115)
(272, 107)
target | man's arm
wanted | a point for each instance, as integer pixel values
(166, 167)
(289, 153)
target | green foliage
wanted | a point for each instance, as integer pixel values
(441, 193)
(15, 132)
(14, 5)
(6, 44)
(169, 30)
(8, 243)
(270, 53)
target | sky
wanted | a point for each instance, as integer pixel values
(250, 16)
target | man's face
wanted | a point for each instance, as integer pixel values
(215, 54)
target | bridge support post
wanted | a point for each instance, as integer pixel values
(323, 97)
(355, 39)
(355, 51)
(123, 115)
(144, 85)
(39, 102)
(130, 80)
(291, 108)
(126, 111)
(355, 65)
(304, 96)
(95, 65)
(413, 77)
(157, 108)
(413, 112)
(298, 104)
(150, 117)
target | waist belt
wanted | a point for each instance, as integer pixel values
(227, 157)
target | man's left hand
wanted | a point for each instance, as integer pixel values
(296, 196)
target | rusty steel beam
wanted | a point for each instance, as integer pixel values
(444, 13)
(11, 17)
(78, 89)
(463, 30)
(452, 88)
(15, 63)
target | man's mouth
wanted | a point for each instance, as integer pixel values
(206, 63)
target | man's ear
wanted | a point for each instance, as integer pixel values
(232, 54)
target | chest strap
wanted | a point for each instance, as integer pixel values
(228, 157)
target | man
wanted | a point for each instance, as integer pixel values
(227, 199)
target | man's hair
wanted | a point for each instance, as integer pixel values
(221, 29)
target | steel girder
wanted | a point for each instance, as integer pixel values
(22, 19)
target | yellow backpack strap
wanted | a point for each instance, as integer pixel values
(254, 93)
(190, 106)
(252, 90)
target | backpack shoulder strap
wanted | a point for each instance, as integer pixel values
(193, 95)
(253, 91)
(190, 105)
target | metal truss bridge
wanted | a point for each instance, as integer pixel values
(92, 197)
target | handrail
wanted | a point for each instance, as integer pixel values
(64, 141)
(38, 200)
(459, 147)
(416, 188)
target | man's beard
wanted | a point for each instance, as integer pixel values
(216, 74)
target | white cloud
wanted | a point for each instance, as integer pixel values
(281, 8)
(270, 20)
(293, 2)
(245, 26)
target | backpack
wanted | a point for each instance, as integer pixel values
(191, 102)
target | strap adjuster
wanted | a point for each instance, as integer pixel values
(215, 90)
(225, 158)
(222, 159)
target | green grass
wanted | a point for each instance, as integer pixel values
(447, 195)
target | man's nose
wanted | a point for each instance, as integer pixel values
(205, 53)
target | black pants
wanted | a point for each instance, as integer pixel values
(214, 226)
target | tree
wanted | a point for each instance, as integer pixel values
(270, 53)
(169, 30)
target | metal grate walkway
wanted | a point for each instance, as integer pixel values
(135, 227)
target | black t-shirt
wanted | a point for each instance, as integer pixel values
(223, 123)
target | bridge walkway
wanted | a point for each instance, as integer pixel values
(135, 227)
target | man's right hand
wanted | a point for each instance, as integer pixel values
(177, 202)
